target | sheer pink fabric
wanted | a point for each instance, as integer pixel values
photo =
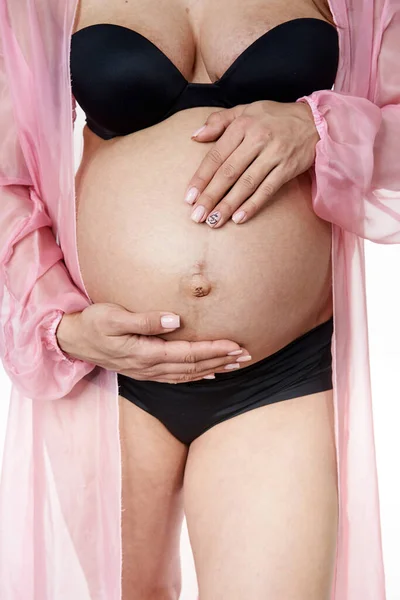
(60, 493)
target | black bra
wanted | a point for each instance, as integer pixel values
(124, 82)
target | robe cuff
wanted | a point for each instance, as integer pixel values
(50, 339)
(319, 120)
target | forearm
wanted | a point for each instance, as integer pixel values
(35, 290)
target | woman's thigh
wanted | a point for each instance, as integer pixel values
(261, 504)
(153, 463)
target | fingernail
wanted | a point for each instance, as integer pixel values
(198, 213)
(234, 352)
(170, 321)
(191, 195)
(209, 377)
(237, 217)
(232, 366)
(243, 358)
(213, 218)
(198, 131)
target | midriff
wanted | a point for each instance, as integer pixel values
(269, 280)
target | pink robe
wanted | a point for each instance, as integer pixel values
(60, 494)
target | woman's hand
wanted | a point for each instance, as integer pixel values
(262, 145)
(114, 338)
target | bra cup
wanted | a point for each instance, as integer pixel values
(276, 72)
(124, 82)
(120, 92)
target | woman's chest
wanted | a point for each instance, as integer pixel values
(202, 38)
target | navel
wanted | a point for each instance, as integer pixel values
(196, 282)
(199, 285)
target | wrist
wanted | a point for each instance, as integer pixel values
(316, 115)
(307, 113)
(66, 332)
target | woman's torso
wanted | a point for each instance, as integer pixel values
(270, 278)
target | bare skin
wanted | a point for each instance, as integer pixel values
(260, 488)
(260, 496)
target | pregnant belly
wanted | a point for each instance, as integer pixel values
(260, 284)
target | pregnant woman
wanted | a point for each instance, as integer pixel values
(167, 309)
(148, 75)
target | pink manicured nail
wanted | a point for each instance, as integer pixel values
(198, 213)
(209, 377)
(191, 195)
(198, 131)
(243, 358)
(170, 321)
(232, 366)
(237, 217)
(234, 352)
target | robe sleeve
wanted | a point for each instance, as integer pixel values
(356, 179)
(36, 289)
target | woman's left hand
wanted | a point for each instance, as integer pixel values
(262, 145)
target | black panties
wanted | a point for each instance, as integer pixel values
(187, 410)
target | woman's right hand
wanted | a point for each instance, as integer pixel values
(119, 340)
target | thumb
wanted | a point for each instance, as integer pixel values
(217, 122)
(214, 126)
(148, 323)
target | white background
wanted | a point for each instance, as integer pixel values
(383, 297)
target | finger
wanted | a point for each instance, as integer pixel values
(155, 350)
(175, 373)
(242, 360)
(226, 176)
(212, 161)
(199, 368)
(161, 379)
(242, 189)
(182, 377)
(263, 194)
(169, 378)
